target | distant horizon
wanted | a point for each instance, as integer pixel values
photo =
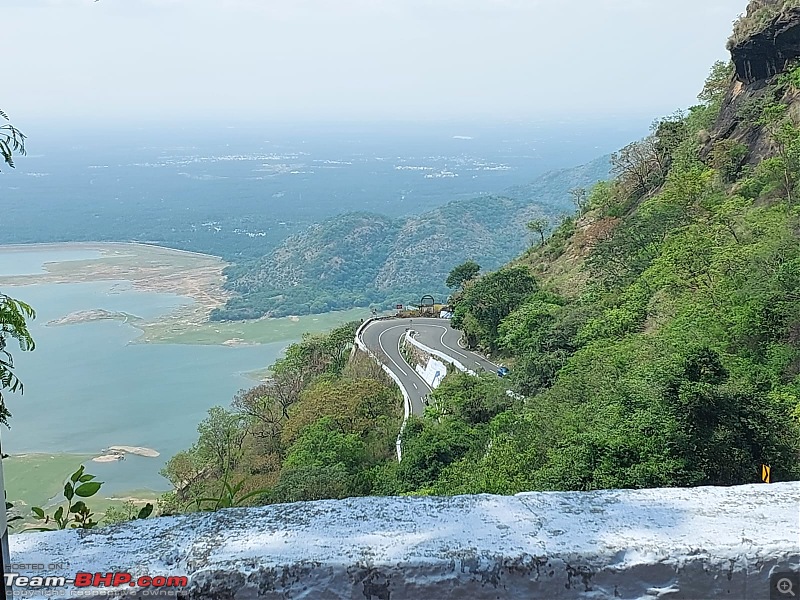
(229, 120)
(44, 132)
(22, 114)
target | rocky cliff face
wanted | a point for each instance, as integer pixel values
(765, 45)
(772, 46)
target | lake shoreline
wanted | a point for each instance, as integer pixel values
(148, 268)
(192, 275)
(52, 470)
(122, 372)
(59, 246)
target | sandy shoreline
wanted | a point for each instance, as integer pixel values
(147, 267)
(100, 246)
(150, 268)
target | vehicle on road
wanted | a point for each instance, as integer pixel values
(503, 371)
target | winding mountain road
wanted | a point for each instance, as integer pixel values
(383, 340)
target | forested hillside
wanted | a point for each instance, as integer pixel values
(654, 336)
(360, 259)
(662, 343)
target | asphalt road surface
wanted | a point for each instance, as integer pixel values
(383, 339)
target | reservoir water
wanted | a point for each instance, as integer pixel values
(90, 385)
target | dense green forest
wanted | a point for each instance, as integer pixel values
(361, 259)
(315, 431)
(653, 340)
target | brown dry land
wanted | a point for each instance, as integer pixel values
(190, 274)
(148, 268)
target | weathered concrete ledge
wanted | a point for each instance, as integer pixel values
(672, 543)
(436, 354)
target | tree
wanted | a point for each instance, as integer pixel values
(727, 157)
(539, 226)
(474, 400)
(717, 83)
(462, 274)
(361, 406)
(487, 301)
(787, 137)
(323, 444)
(266, 410)
(640, 166)
(726, 431)
(429, 447)
(580, 198)
(13, 313)
(13, 325)
(222, 435)
(303, 362)
(186, 472)
(313, 482)
(668, 135)
(322, 463)
(12, 140)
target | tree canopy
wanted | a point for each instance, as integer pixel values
(13, 313)
(463, 273)
(652, 342)
(12, 140)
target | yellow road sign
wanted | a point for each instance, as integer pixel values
(766, 473)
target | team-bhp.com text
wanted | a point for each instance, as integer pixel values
(96, 580)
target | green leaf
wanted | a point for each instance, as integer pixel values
(77, 507)
(38, 512)
(68, 491)
(145, 511)
(229, 489)
(251, 495)
(85, 478)
(77, 474)
(87, 489)
(59, 513)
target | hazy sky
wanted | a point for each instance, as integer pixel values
(352, 59)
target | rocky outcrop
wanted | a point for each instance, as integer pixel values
(765, 44)
(769, 50)
(647, 544)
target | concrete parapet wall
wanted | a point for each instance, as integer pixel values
(645, 544)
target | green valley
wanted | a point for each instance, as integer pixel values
(642, 315)
(653, 338)
(362, 259)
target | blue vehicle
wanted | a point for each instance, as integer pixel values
(502, 372)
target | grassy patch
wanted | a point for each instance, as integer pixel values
(263, 331)
(33, 479)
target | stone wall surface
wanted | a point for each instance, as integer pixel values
(647, 544)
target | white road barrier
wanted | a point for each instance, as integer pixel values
(457, 364)
(359, 343)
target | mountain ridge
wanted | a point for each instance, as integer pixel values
(657, 332)
(653, 340)
(396, 261)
